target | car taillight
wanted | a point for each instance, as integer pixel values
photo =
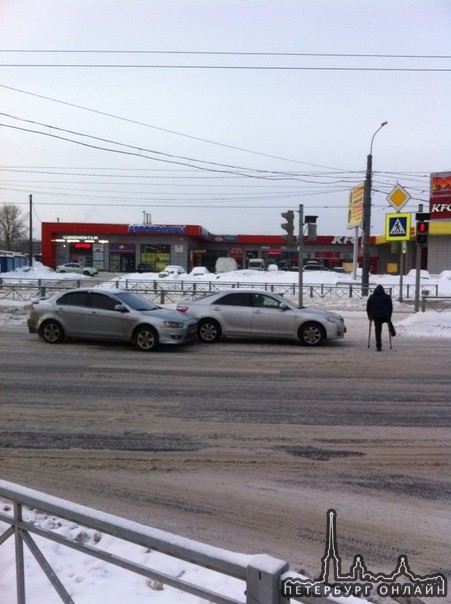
(182, 308)
(31, 307)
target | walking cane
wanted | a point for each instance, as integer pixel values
(369, 333)
(389, 333)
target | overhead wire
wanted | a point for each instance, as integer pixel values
(225, 67)
(237, 54)
(275, 176)
(224, 52)
(139, 123)
(139, 152)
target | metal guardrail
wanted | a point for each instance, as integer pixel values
(437, 303)
(26, 289)
(164, 291)
(261, 574)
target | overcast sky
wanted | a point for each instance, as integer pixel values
(227, 147)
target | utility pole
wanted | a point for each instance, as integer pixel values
(301, 255)
(367, 217)
(30, 237)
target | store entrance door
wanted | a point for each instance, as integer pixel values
(122, 263)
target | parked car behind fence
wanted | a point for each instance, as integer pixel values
(75, 267)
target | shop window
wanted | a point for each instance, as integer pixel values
(158, 256)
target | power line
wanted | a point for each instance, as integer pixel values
(104, 113)
(136, 154)
(228, 53)
(174, 159)
(225, 67)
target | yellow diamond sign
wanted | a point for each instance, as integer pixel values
(398, 197)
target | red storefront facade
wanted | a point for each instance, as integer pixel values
(121, 247)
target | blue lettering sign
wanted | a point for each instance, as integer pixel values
(156, 229)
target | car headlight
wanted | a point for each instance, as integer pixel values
(173, 324)
(334, 318)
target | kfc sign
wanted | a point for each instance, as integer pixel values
(440, 200)
(342, 240)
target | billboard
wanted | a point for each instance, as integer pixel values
(355, 206)
(440, 199)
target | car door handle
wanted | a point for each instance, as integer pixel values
(258, 312)
(216, 308)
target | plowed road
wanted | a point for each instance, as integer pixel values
(243, 445)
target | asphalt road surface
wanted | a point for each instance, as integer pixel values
(243, 445)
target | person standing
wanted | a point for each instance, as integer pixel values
(379, 308)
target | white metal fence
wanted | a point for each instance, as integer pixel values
(261, 574)
(168, 291)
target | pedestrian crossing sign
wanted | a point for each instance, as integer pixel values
(397, 227)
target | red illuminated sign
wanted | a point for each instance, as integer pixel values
(82, 246)
(440, 201)
(441, 182)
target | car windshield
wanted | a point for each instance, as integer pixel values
(135, 302)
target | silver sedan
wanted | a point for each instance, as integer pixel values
(75, 267)
(252, 313)
(98, 314)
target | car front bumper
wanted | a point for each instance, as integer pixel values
(180, 336)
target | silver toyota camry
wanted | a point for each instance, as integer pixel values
(257, 314)
(109, 315)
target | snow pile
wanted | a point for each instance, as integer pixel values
(426, 324)
(39, 271)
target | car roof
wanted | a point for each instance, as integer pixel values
(246, 290)
(96, 290)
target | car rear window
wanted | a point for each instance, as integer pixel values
(238, 299)
(74, 299)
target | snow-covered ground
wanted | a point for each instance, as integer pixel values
(91, 581)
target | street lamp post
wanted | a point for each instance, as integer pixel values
(367, 217)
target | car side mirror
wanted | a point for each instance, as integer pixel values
(120, 308)
(283, 306)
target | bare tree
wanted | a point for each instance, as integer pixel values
(13, 227)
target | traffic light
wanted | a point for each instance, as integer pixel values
(288, 226)
(310, 221)
(422, 228)
(311, 231)
(422, 232)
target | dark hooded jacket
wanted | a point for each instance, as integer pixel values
(379, 305)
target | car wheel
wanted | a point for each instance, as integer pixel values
(62, 271)
(312, 334)
(87, 273)
(145, 338)
(208, 331)
(51, 332)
